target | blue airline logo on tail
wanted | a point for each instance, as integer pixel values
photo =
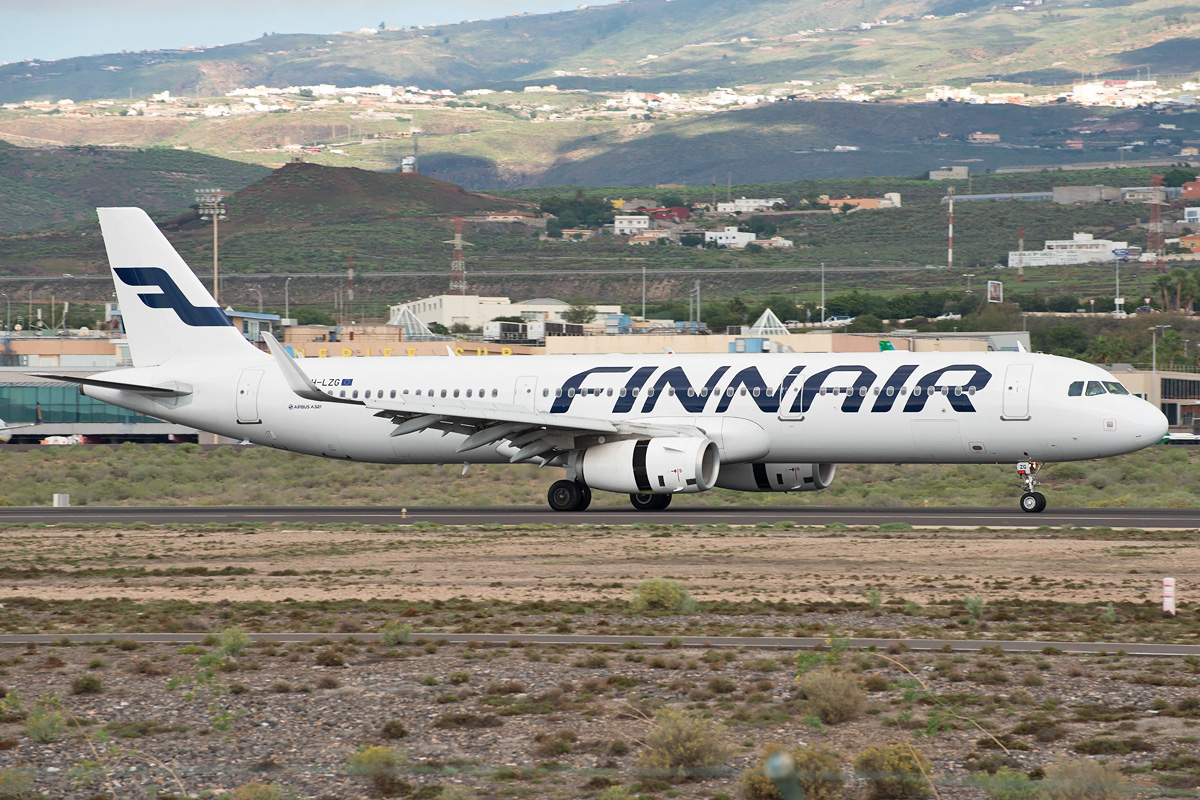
(171, 297)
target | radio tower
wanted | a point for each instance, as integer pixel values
(950, 234)
(1155, 240)
(458, 264)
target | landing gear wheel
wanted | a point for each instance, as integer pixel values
(585, 496)
(1033, 502)
(567, 496)
(650, 502)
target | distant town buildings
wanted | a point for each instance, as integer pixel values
(747, 205)
(732, 238)
(889, 200)
(474, 310)
(948, 174)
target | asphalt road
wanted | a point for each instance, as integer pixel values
(1187, 518)
(759, 642)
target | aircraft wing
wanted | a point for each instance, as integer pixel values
(533, 434)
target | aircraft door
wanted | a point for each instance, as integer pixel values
(525, 393)
(1017, 379)
(247, 396)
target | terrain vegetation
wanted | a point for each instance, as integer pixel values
(515, 718)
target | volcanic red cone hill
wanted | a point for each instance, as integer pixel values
(311, 193)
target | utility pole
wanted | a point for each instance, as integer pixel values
(950, 234)
(458, 261)
(1155, 239)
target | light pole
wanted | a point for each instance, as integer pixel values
(211, 204)
(287, 304)
(643, 291)
(1118, 301)
(8, 312)
(1157, 394)
(968, 276)
(822, 294)
(258, 292)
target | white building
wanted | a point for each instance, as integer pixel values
(473, 310)
(730, 237)
(750, 205)
(1082, 248)
(630, 225)
(1191, 214)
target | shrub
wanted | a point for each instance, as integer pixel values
(87, 684)
(330, 658)
(660, 594)
(394, 633)
(832, 696)
(722, 684)
(378, 766)
(232, 642)
(44, 725)
(393, 729)
(680, 745)
(818, 771)
(450, 791)
(974, 607)
(15, 782)
(1008, 784)
(894, 772)
(1083, 779)
(459, 677)
(257, 791)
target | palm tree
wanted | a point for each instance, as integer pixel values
(1162, 284)
(1118, 349)
(1180, 276)
(1099, 351)
(1170, 344)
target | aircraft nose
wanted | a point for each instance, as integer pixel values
(1150, 424)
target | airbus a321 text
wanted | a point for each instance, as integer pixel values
(647, 426)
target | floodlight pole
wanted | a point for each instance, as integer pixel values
(1156, 391)
(8, 312)
(211, 204)
(287, 304)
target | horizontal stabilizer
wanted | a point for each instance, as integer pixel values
(174, 390)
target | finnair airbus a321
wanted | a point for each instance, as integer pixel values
(647, 426)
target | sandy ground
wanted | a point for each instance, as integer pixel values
(406, 563)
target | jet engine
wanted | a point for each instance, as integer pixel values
(776, 477)
(662, 465)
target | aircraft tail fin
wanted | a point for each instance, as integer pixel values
(166, 310)
(885, 345)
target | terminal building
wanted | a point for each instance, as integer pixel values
(57, 412)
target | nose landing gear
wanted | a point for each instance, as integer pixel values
(1031, 501)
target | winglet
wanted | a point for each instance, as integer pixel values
(297, 381)
(885, 345)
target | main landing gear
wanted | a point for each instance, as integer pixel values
(1031, 501)
(569, 496)
(650, 502)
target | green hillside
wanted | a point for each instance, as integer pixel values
(661, 45)
(42, 187)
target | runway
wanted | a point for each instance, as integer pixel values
(1005, 518)
(752, 642)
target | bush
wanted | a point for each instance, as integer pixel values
(379, 766)
(894, 772)
(257, 791)
(44, 725)
(818, 771)
(394, 633)
(660, 594)
(232, 642)
(681, 745)
(87, 684)
(1084, 779)
(330, 658)
(452, 791)
(458, 677)
(832, 696)
(393, 729)
(1008, 784)
(15, 782)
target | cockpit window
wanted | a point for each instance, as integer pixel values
(1115, 388)
(1076, 389)
(1094, 388)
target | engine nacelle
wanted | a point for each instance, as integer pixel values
(663, 465)
(776, 477)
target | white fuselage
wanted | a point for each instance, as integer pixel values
(795, 407)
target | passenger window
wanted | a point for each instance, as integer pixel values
(355, 395)
(545, 392)
(343, 394)
(392, 394)
(1076, 389)
(443, 392)
(610, 391)
(756, 391)
(1094, 388)
(891, 390)
(493, 392)
(1115, 388)
(456, 392)
(367, 396)
(571, 392)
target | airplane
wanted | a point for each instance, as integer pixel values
(6, 436)
(649, 426)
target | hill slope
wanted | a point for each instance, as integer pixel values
(670, 46)
(41, 187)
